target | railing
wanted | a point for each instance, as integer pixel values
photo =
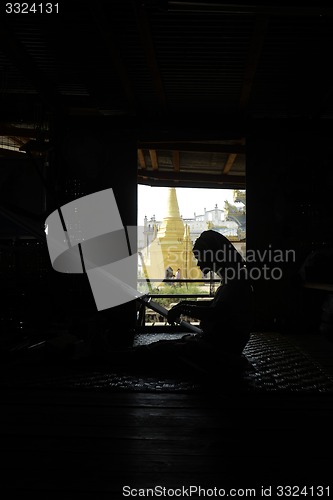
(144, 313)
(205, 281)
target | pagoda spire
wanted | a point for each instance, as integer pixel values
(172, 227)
(172, 245)
(172, 210)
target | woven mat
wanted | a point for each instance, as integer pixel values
(280, 365)
(277, 365)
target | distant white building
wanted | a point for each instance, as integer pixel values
(211, 219)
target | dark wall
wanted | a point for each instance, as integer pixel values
(92, 156)
(289, 192)
(87, 156)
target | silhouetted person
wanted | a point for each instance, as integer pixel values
(169, 273)
(225, 321)
(178, 276)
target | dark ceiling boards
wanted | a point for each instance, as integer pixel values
(188, 76)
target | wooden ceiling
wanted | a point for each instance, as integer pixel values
(190, 77)
(193, 164)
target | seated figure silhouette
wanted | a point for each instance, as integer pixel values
(225, 321)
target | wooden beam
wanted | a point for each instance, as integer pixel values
(176, 161)
(9, 130)
(186, 130)
(141, 158)
(104, 26)
(149, 48)
(240, 9)
(229, 163)
(194, 147)
(153, 159)
(256, 45)
(17, 140)
(221, 179)
(11, 153)
(185, 184)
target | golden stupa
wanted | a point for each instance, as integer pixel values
(172, 245)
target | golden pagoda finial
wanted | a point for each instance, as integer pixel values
(172, 226)
(172, 210)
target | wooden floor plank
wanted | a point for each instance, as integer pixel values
(79, 443)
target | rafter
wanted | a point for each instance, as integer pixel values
(148, 46)
(194, 147)
(11, 153)
(153, 159)
(229, 163)
(141, 158)
(17, 140)
(107, 35)
(176, 161)
(11, 130)
(254, 53)
(218, 180)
